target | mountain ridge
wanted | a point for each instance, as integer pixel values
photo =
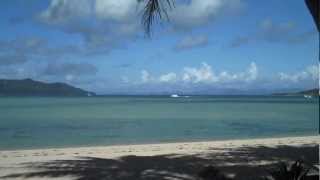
(311, 92)
(30, 87)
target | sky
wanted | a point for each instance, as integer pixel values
(205, 47)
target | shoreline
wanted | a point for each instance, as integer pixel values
(273, 141)
(158, 143)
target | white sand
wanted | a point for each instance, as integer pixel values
(10, 161)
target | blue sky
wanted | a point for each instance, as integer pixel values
(207, 46)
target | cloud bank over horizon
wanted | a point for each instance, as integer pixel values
(205, 46)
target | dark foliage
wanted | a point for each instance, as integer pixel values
(296, 171)
(314, 7)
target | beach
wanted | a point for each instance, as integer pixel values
(154, 137)
(155, 161)
(159, 90)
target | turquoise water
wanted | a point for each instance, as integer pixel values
(40, 122)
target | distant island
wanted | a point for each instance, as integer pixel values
(29, 87)
(311, 92)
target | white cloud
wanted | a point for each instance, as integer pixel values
(309, 73)
(103, 24)
(120, 10)
(275, 32)
(61, 11)
(190, 42)
(202, 74)
(314, 71)
(109, 24)
(200, 12)
(185, 14)
(145, 76)
(293, 77)
(170, 77)
(252, 72)
(225, 76)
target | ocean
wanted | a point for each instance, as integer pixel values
(51, 122)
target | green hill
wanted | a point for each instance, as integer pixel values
(29, 87)
(311, 92)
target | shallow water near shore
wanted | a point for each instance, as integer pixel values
(40, 122)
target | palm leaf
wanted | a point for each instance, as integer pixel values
(297, 171)
(155, 10)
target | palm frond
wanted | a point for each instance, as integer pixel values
(155, 10)
(297, 171)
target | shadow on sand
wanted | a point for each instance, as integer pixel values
(238, 164)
